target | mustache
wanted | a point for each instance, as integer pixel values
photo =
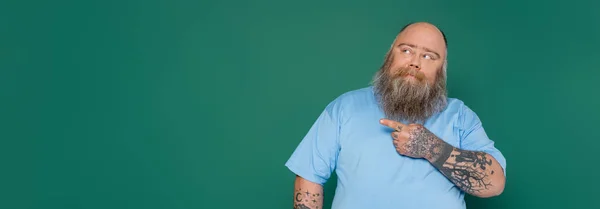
(403, 71)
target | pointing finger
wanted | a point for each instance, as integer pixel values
(392, 124)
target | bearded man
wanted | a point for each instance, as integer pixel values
(401, 142)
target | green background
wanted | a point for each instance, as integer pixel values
(198, 104)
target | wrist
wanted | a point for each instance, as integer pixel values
(440, 153)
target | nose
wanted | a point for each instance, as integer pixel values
(415, 63)
(414, 66)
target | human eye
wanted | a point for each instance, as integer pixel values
(405, 50)
(428, 56)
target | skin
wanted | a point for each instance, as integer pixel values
(421, 47)
(307, 194)
(476, 173)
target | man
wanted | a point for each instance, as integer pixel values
(400, 143)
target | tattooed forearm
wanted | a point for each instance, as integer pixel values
(469, 170)
(304, 199)
(476, 173)
(473, 172)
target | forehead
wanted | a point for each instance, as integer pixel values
(423, 35)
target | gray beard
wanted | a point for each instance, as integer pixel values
(409, 101)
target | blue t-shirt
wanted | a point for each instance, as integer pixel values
(347, 138)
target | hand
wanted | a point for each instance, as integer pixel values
(414, 140)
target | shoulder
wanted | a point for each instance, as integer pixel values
(464, 117)
(356, 95)
(351, 102)
(459, 113)
(459, 107)
(355, 98)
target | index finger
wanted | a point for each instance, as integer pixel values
(392, 124)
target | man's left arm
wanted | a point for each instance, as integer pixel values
(476, 172)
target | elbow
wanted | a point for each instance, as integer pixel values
(494, 191)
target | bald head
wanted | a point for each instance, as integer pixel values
(426, 23)
(424, 35)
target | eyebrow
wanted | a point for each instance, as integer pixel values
(425, 48)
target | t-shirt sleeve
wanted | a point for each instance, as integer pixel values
(474, 138)
(315, 157)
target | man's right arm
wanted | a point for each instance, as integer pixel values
(307, 195)
(315, 158)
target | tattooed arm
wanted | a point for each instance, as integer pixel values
(476, 173)
(307, 195)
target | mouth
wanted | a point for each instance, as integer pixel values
(409, 76)
(412, 78)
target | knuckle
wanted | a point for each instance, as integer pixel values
(414, 127)
(406, 134)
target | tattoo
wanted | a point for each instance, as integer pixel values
(441, 153)
(469, 171)
(425, 144)
(298, 197)
(301, 206)
(307, 200)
